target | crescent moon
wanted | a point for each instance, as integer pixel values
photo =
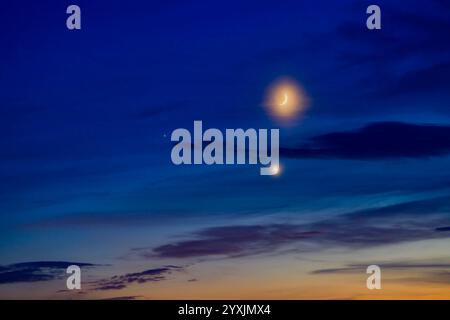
(285, 100)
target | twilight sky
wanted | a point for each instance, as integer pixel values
(86, 175)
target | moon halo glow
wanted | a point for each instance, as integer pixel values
(285, 100)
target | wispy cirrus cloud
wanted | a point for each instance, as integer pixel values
(124, 298)
(360, 229)
(233, 241)
(425, 272)
(122, 281)
(358, 268)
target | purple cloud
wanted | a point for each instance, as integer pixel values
(365, 228)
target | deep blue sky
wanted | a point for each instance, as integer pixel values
(86, 116)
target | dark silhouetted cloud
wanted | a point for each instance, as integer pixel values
(122, 281)
(381, 140)
(36, 271)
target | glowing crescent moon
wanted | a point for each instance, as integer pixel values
(285, 100)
